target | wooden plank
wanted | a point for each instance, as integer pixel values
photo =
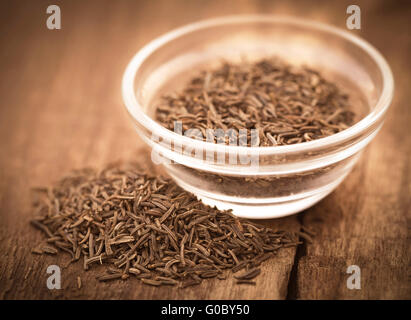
(367, 229)
(61, 109)
(78, 121)
(366, 221)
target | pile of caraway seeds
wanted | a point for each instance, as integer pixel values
(141, 226)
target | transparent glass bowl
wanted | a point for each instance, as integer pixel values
(287, 178)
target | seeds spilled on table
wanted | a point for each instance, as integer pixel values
(146, 227)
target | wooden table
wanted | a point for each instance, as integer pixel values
(61, 109)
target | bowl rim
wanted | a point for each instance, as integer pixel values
(136, 110)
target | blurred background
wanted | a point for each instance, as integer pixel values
(60, 89)
(61, 108)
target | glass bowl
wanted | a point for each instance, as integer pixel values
(258, 182)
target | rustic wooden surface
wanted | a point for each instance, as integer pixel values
(61, 109)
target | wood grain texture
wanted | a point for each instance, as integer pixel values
(61, 109)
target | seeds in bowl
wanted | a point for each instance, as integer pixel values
(286, 104)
